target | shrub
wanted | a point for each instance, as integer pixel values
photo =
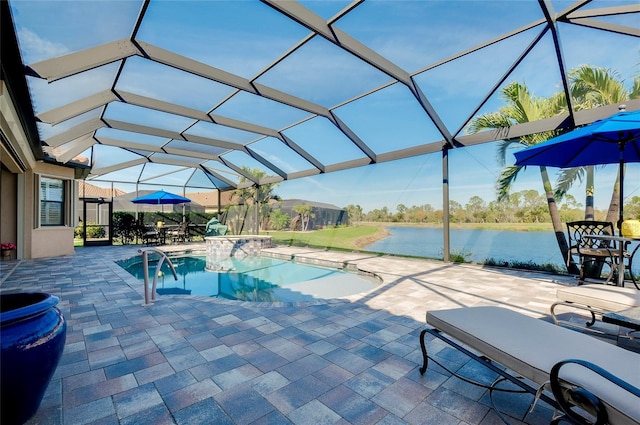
(524, 265)
(95, 231)
(77, 231)
(279, 220)
(125, 227)
(460, 256)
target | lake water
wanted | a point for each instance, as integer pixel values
(500, 245)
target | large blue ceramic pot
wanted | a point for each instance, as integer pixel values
(32, 336)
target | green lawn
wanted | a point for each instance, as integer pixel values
(348, 238)
(336, 238)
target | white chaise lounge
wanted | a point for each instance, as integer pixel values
(604, 378)
(597, 299)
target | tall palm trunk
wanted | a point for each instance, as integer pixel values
(614, 206)
(589, 213)
(257, 217)
(572, 268)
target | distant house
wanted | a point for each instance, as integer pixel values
(201, 202)
(324, 215)
(89, 191)
(209, 200)
(95, 200)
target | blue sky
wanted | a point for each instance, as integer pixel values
(242, 37)
(417, 181)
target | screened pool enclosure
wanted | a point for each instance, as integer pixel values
(198, 95)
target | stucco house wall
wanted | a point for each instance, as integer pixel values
(48, 241)
(8, 211)
(22, 163)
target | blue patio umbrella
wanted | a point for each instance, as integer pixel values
(607, 141)
(160, 198)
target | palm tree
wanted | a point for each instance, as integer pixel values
(355, 213)
(592, 87)
(522, 107)
(258, 194)
(306, 214)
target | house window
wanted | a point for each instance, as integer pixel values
(52, 196)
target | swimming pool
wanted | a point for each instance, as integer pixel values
(253, 279)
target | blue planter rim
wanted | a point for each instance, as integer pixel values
(34, 303)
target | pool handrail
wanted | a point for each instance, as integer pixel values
(145, 268)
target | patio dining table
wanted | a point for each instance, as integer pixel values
(622, 242)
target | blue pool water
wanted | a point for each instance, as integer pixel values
(253, 279)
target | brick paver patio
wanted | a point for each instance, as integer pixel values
(198, 360)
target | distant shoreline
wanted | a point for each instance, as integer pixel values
(383, 232)
(519, 227)
(368, 240)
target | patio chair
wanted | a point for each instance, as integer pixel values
(592, 253)
(587, 376)
(150, 236)
(181, 233)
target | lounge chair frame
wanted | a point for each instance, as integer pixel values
(482, 330)
(488, 363)
(593, 311)
(596, 299)
(581, 395)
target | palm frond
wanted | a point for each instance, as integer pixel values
(518, 97)
(506, 179)
(596, 86)
(555, 104)
(567, 177)
(489, 121)
(503, 148)
(635, 88)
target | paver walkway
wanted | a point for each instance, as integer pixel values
(197, 360)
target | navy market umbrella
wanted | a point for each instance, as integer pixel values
(607, 141)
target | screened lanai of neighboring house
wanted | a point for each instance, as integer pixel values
(200, 95)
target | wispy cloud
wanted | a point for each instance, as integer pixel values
(36, 48)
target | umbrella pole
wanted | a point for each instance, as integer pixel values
(621, 245)
(621, 178)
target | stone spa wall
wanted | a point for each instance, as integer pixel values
(221, 248)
